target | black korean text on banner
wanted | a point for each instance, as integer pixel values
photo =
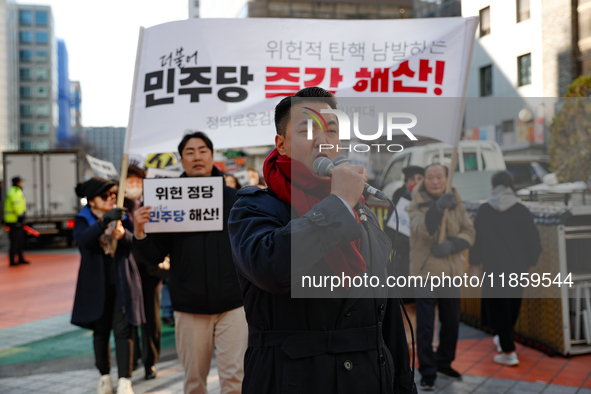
(184, 204)
(234, 81)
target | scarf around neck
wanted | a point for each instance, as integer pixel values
(296, 186)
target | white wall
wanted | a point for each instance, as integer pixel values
(507, 40)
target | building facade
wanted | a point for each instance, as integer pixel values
(525, 56)
(38, 78)
(76, 108)
(64, 130)
(331, 9)
(9, 75)
(436, 8)
(106, 143)
(584, 20)
(314, 9)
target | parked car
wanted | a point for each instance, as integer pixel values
(527, 170)
(477, 162)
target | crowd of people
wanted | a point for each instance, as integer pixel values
(232, 290)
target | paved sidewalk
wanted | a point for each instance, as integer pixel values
(41, 352)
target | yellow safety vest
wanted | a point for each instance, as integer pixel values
(15, 205)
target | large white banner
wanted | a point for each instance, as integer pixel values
(225, 76)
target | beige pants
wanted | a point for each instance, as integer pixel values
(195, 336)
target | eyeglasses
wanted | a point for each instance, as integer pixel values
(105, 196)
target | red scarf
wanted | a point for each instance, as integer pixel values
(294, 185)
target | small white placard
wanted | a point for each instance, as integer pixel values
(159, 173)
(103, 169)
(242, 177)
(184, 204)
(403, 218)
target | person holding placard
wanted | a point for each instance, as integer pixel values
(351, 341)
(109, 289)
(203, 283)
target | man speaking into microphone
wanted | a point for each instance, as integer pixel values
(305, 224)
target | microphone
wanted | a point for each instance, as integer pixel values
(340, 159)
(323, 167)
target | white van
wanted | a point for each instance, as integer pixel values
(477, 162)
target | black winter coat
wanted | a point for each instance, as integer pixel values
(202, 277)
(313, 345)
(506, 242)
(90, 289)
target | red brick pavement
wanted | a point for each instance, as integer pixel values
(42, 289)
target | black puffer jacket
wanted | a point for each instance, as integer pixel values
(202, 277)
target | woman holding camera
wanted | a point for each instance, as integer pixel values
(108, 292)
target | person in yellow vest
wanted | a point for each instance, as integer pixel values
(14, 217)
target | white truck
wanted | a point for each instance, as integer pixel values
(477, 162)
(49, 180)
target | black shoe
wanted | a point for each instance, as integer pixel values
(449, 373)
(13, 264)
(168, 321)
(151, 373)
(428, 383)
(24, 262)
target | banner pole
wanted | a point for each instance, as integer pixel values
(128, 131)
(470, 32)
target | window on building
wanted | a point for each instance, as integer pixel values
(25, 37)
(26, 92)
(584, 23)
(42, 128)
(507, 126)
(484, 21)
(42, 74)
(524, 69)
(43, 145)
(26, 56)
(26, 110)
(42, 92)
(41, 18)
(41, 37)
(43, 109)
(26, 145)
(25, 74)
(486, 81)
(522, 10)
(41, 55)
(26, 128)
(25, 17)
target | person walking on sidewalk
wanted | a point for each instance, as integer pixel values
(109, 289)
(429, 257)
(507, 241)
(203, 283)
(14, 217)
(152, 276)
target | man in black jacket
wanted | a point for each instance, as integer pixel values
(203, 283)
(508, 242)
(401, 259)
(304, 225)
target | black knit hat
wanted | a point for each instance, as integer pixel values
(412, 171)
(16, 180)
(93, 187)
(503, 178)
